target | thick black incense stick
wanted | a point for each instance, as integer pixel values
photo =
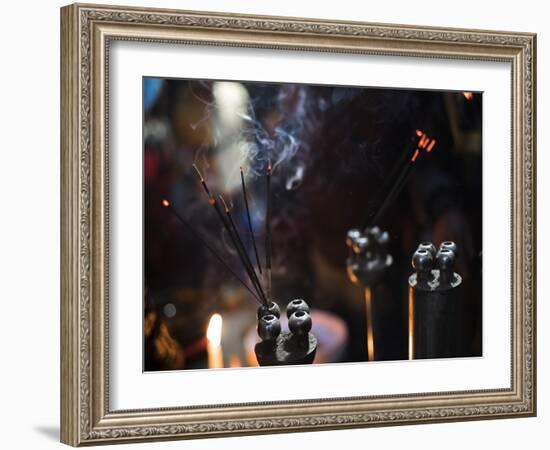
(201, 239)
(250, 229)
(375, 205)
(398, 178)
(395, 190)
(239, 246)
(268, 231)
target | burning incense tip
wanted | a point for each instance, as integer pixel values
(431, 146)
(223, 203)
(416, 152)
(269, 167)
(424, 141)
(204, 186)
(468, 96)
(165, 203)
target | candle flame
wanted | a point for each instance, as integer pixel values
(214, 330)
(468, 96)
(165, 203)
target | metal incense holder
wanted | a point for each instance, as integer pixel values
(277, 347)
(367, 263)
(435, 306)
(368, 256)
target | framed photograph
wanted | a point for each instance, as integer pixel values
(277, 225)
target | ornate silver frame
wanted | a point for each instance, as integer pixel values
(86, 31)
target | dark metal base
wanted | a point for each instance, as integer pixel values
(287, 349)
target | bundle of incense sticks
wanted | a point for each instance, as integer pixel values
(223, 211)
(202, 240)
(398, 177)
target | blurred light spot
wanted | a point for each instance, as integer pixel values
(151, 90)
(231, 109)
(214, 331)
(169, 310)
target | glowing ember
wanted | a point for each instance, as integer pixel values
(416, 152)
(165, 203)
(431, 146)
(225, 207)
(424, 141)
(468, 96)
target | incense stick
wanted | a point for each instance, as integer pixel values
(250, 229)
(398, 178)
(236, 246)
(268, 231)
(375, 205)
(394, 191)
(203, 182)
(201, 239)
(239, 246)
(234, 236)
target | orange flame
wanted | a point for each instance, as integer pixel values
(468, 96)
(165, 203)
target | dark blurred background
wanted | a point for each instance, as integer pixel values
(332, 150)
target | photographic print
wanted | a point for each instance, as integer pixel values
(294, 224)
(278, 224)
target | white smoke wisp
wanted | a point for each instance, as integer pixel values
(254, 124)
